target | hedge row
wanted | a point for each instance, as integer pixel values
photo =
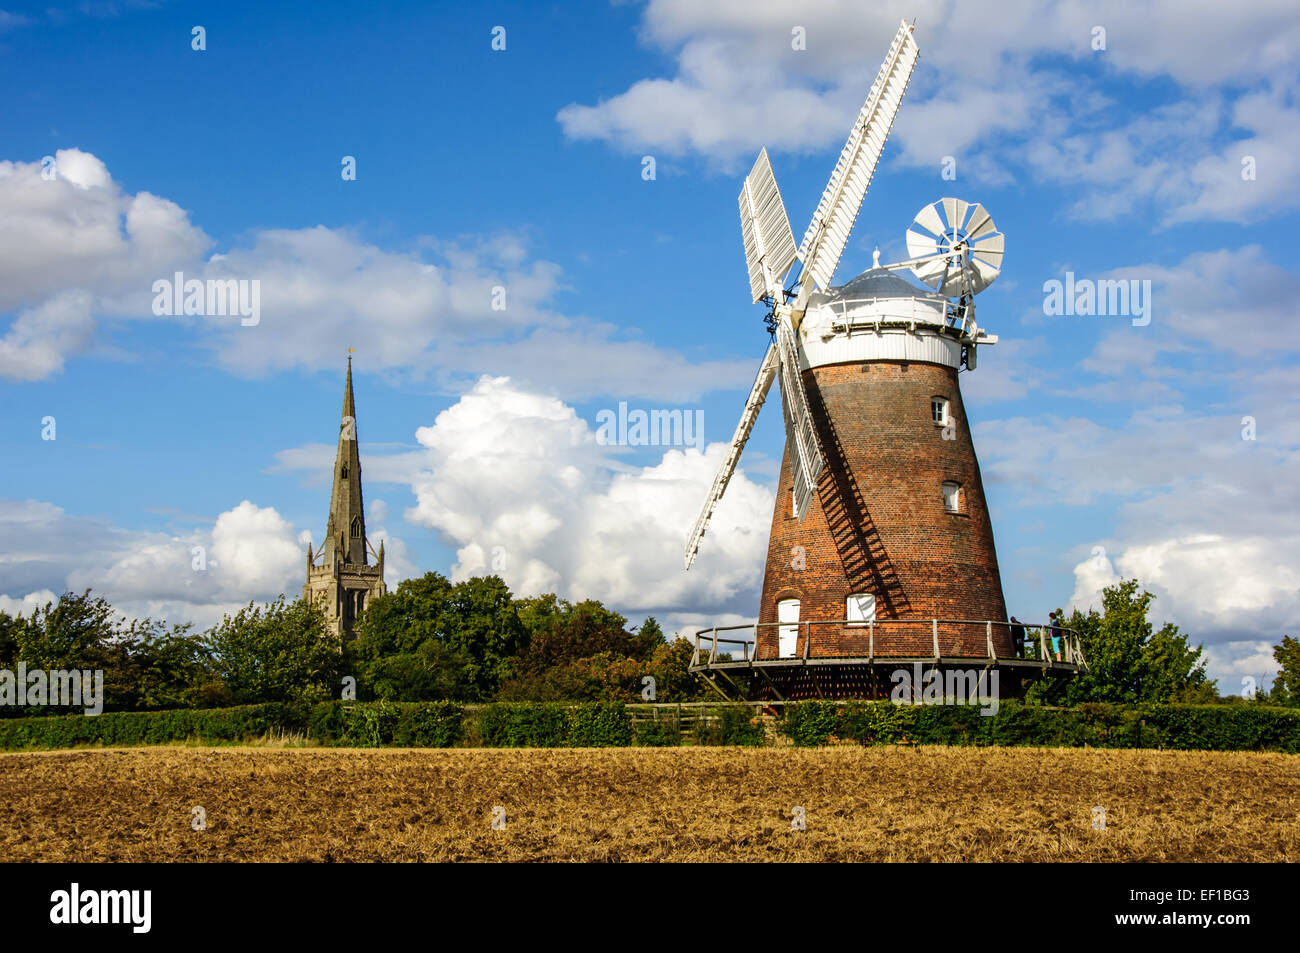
(599, 724)
(1186, 727)
(212, 725)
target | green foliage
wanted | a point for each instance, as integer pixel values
(434, 671)
(809, 724)
(145, 665)
(75, 632)
(427, 641)
(437, 724)
(1129, 661)
(1286, 687)
(599, 725)
(732, 725)
(210, 726)
(429, 725)
(1099, 724)
(523, 725)
(275, 653)
(432, 640)
(552, 725)
(871, 723)
(663, 733)
(584, 652)
(567, 633)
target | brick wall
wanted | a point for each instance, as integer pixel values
(879, 524)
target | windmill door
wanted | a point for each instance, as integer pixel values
(787, 614)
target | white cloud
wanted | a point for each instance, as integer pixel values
(249, 553)
(27, 604)
(254, 546)
(1219, 590)
(518, 483)
(1204, 519)
(997, 86)
(77, 247)
(36, 342)
(515, 480)
(80, 230)
(1228, 300)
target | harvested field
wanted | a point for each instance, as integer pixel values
(671, 804)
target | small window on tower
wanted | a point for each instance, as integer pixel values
(356, 527)
(952, 497)
(939, 411)
(860, 608)
(344, 473)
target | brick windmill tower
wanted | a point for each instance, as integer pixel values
(881, 548)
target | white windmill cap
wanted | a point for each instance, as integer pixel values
(881, 283)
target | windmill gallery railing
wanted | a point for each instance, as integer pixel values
(894, 312)
(932, 640)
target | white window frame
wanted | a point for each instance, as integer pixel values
(956, 496)
(854, 608)
(944, 407)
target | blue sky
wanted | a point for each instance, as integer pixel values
(522, 168)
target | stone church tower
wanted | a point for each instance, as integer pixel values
(340, 578)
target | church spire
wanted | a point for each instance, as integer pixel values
(340, 580)
(345, 536)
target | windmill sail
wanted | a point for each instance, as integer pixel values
(831, 224)
(805, 452)
(765, 227)
(757, 395)
(769, 254)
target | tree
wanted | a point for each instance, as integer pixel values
(484, 627)
(169, 668)
(275, 653)
(1172, 670)
(573, 632)
(1127, 660)
(145, 664)
(74, 632)
(585, 652)
(1286, 686)
(430, 639)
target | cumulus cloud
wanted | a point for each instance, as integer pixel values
(35, 345)
(80, 230)
(27, 604)
(514, 479)
(76, 247)
(249, 553)
(997, 87)
(517, 482)
(1201, 517)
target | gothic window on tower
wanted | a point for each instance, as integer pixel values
(952, 497)
(344, 472)
(860, 608)
(356, 527)
(939, 411)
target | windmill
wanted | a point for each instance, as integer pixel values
(867, 372)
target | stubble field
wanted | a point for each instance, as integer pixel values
(675, 804)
